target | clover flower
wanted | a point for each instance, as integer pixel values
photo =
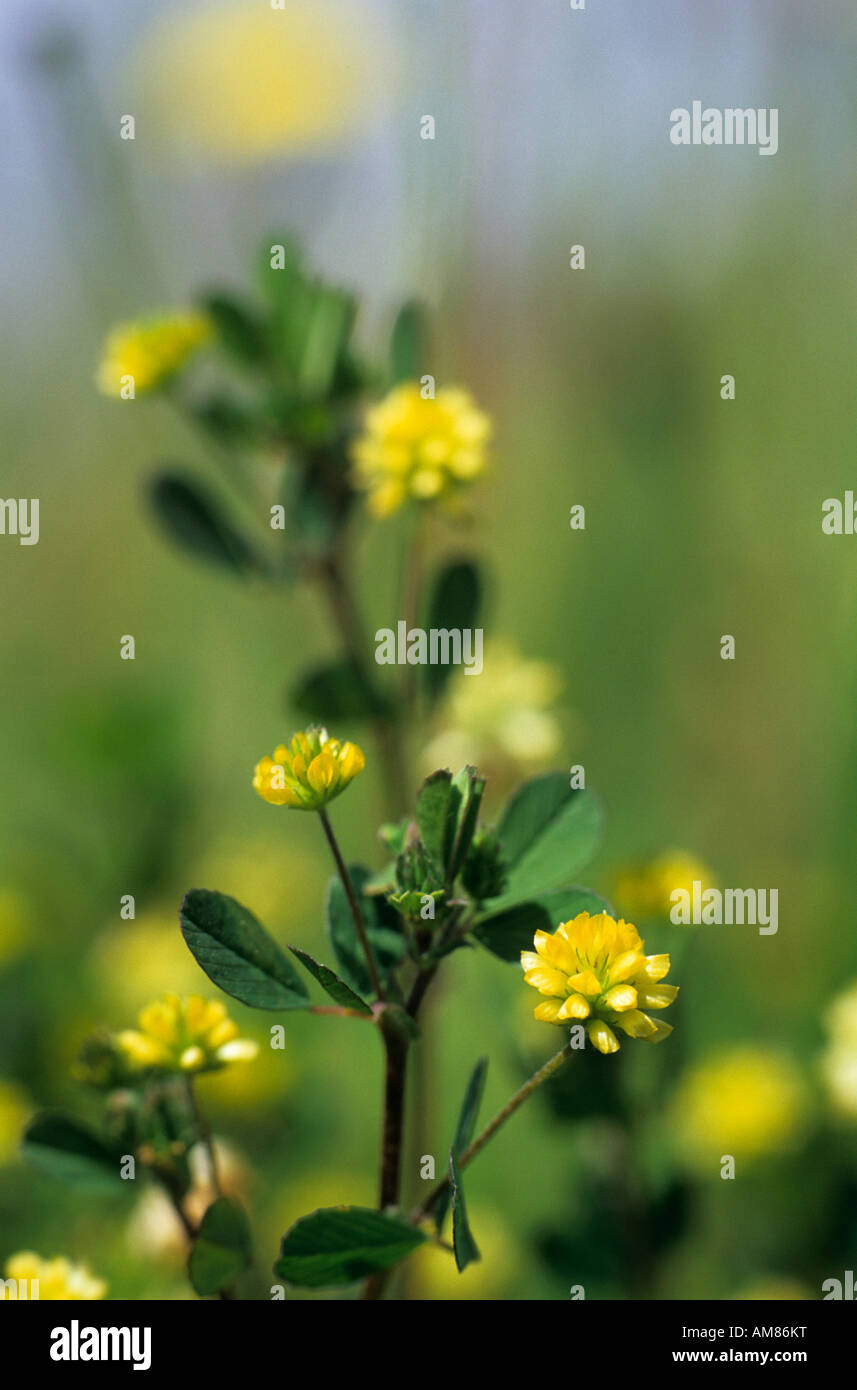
(644, 889)
(594, 969)
(310, 772)
(150, 350)
(839, 1059)
(256, 82)
(508, 725)
(747, 1101)
(417, 448)
(59, 1279)
(184, 1034)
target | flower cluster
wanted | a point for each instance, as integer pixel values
(644, 890)
(310, 772)
(747, 1100)
(184, 1034)
(58, 1279)
(594, 969)
(150, 350)
(418, 448)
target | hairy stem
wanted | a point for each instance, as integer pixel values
(360, 925)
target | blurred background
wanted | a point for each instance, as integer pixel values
(702, 518)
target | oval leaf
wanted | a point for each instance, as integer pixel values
(62, 1148)
(331, 983)
(193, 519)
(455, 604)
(222, 1249)
(338, 691)
(466, 1249)
(548, 832)
(238, 954)
(338, 1245)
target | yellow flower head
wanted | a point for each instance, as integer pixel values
(58, 1279)
(644, 890)
(238, 82)
(595, 969)
(839, 1059)
(150, 350)
(746, 1101)
(506, 726)
(310, 772)
(184, 1034)
(421, 449)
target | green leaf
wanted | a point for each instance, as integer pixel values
(455, 603)
(466, 1249)
(464, 1130)
(548, 832)
(338, 1245)
(338, 691)
(472, 789)
(409, 344)
(237, 327)
(382, 928)
(193, 519)
(62, 1148)
(328, 328)
(331, 983)
(506, 934)
(238, 954)
(438, 806)
(223, 1248)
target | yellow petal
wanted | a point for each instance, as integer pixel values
(585, 983)
(575, 1006)
(636, 1024)
(601, 1035)
(547, 1011)
(655, 968)
(658, 997)
(628, 964)
(621, 997)
(546, 980)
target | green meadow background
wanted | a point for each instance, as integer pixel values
(703, 518)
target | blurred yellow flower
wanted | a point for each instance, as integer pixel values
(15, 924)
(244, 82)
(594, 969)
(643, 889)
(506, 725)
(774, 1289)
(59, 1279)
(310, 772)
(252, 870)
(421, 449)
(432, 1274)
(15, 1111)
(133, 959)
(839, 1059)
(747, 1101)
(150, 350)
(184, 1034)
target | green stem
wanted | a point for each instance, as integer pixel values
(386, 728)
(203, 1129)
(537, 1079)
(348, 886)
